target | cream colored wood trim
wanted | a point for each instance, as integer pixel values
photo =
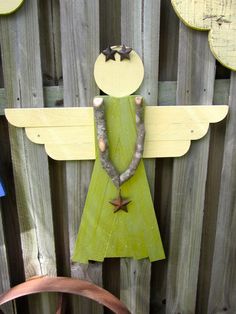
(68, 133)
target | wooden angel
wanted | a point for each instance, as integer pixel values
(118, 218)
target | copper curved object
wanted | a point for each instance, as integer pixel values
(66, 285)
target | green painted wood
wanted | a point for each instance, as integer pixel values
(23, 83)
(80, 48)
(143, 36)
(110, 34)
(196, 69)
(105, 234)
(223, 274)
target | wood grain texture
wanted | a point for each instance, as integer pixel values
(166, 97)
(168, 50)
(110, 32)
(194, 85)
(10, 216)
(139, 33)
(68, 134)
(221, 297)
(4, 271)
(219, 17)
(169, 37)
(80, 47)
(210, 215)
(23, 83)
(50, 42)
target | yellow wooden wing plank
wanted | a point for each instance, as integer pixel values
(86, 152)
(83, 151)
(85, 133)
(59, 135)
(176, 131)
(161, 149)
(176, 114)
(68, 133)
(40, 117)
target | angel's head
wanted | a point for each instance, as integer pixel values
(118, 71)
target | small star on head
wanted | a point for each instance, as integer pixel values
(109, 53)
(120, 204)
(124, 53)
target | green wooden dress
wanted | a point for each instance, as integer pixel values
(102, 232)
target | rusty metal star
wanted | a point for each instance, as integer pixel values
(120, 204)
(124, 53)
(109, 53)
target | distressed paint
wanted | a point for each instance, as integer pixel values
(219, 18)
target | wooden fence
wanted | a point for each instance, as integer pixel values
(48, 49)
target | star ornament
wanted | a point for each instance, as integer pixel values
(124, 53)
(109, 53)
(120, 204)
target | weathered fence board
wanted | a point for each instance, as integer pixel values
(23, 86)
(4, 271)
(48, 51)
(223, 275)
(80, 47)
(50, 42)
(195, 84)
(143, 36)
(164, 166)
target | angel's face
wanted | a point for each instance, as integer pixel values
(118, 71)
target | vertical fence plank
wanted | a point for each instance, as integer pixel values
(169, 35)
(211, 206)
(109, 23)
(50, 44)
(223, 276)
(110, 34)
(10, 216)
(140, 30)
(4, 271)
(23, 85)
(80, 47)
(50, 41)
(195, 85)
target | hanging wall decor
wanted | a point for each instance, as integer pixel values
(118, 132)
(219, 18)
(9, 6)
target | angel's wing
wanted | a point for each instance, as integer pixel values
(9, 6)
(68, 133)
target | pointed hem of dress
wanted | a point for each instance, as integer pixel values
(97, 259)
